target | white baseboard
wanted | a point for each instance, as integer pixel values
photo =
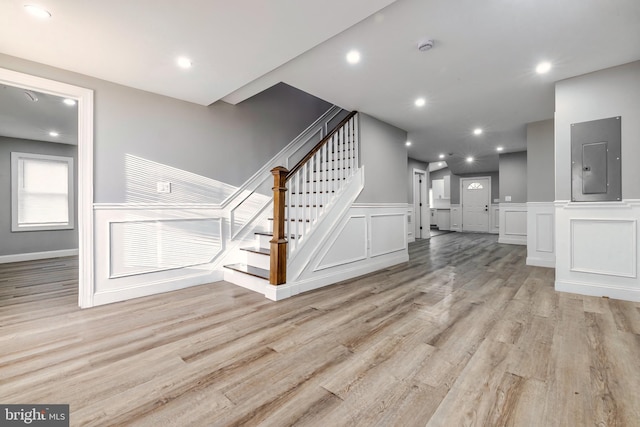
(541, 262)
(32, 256)
(156, 287)
(614, 292)
(513, 240)
(255, 284)
(277, 293)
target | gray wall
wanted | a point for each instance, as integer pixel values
(411, 165)
(384, 156)
(599, 95)
(439, 174)
(540, 165)
(223, 142)
(513, 177)
(23, 242)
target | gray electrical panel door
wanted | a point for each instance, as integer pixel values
(595, 160)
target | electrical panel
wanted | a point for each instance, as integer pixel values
(595, 160)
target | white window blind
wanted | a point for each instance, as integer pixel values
(42, 192)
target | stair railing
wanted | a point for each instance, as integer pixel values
(302, 194)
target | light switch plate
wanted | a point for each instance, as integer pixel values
(163, 187)
(507, 198)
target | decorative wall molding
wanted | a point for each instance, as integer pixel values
(33, 256)
(494, 221)
(384, 233)
(153, 206)
(410, 225)
(541, 234)
(597, 248)
(513, 223)
(348, 245)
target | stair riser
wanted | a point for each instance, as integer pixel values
(258, 260)
(256, 284)
(264, 241)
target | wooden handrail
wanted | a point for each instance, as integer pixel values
(319, 145)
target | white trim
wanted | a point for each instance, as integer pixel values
(279, 292)
(513, 240)
(84, 98)
(153, 206)
(389, 251)
(455, 224)
(541, 262)
(511, 237)
(598, 290)
(381, 205)
(32, 256)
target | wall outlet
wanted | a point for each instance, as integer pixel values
(496, 200)
(163, 187)
(507, 198)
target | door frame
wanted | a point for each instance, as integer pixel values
(84, 98)
(471, 178)
(421, 216)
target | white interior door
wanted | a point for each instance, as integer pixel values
(475, 196)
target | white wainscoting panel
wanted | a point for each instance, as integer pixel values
(604, 246)
(541, 234)
(513, 223)
(597, 248)
(139, 247)
(387, 233)
(348, 245)
(142, 252)
(410, 224)
(495, 219)
(456, 218)
(336, 255)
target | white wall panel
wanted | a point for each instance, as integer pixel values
(456, 218)
(348, 245)
(387, 234)
(544, 232)
(513, 223)
(605, 247)
(541, 234)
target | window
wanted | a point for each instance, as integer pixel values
(41, 192)
(475, 186)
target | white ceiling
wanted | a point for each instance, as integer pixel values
(480, 72)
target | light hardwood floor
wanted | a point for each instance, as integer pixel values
(462, 334)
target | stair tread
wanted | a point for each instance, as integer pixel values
(250, 270)
(257, 250)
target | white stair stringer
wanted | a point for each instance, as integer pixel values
(332, 215)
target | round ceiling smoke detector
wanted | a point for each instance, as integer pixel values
(425, 45)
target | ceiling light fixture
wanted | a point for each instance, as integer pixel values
(184, 62)
(425, 45)
(353, 57)
(439, 163)
(499, 149)
(408, 143)
(69, 101)
(543, 67)
(37, 11)
(54, 134)
(477, 131)
(420, 102)
(469, 159)
(441, 156)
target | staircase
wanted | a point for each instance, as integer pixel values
(303, 196)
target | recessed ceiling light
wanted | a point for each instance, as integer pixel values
(439, 163)
(184, 62)
(441, 156)
(543, 67)
(69, 101)
(469, 159)
(420, 102)
(477, 131)
(408, 143)
(353, 57)
(54, 133)
(499, 149)
(37, 11)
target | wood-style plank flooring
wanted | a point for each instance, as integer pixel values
(462, 334)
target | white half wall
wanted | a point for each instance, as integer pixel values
(541, 234)
(367, 238)
(456, 218)
(513, 223)
(597, 248)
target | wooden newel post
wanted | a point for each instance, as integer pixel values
(278, 270)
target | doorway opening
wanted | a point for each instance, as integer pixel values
(421, 205)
